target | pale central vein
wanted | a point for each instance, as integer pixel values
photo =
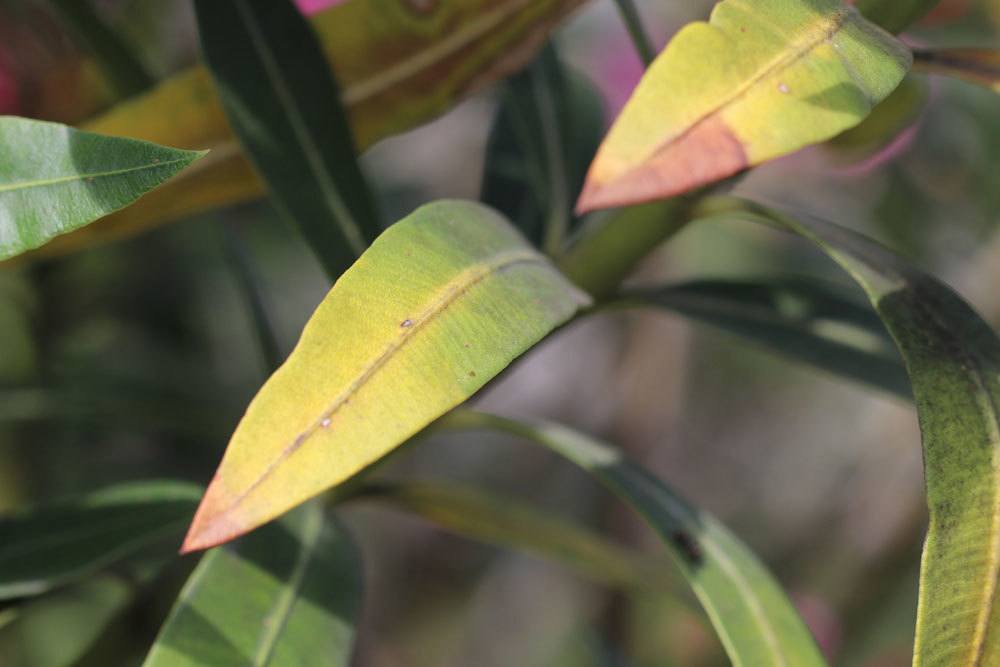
(40, 183)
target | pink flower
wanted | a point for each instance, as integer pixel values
(310, 7)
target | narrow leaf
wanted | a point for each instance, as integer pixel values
(894, 15)
(979, 66)
(45, 547)
(54, 179)
(506, 522)
(754, 619)
(762, 79)
(399, 66)
(286, 595)
(284, 105)
(441, 302)
(953, 358)
(801, 319)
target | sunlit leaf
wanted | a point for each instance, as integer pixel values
(441, 302)
(953, 358)
(398, 65)
(762, 79)
(802, 319)
(284, 105)
(507, 522)
(48, 546)
(895, 15)
(287, 595)
(751, 614)
(54, 179)
(979, 66)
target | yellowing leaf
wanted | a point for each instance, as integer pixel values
(439, 304)
(762, 79)
(399, 65)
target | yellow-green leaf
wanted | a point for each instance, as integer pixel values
(399, 64)
(439, 304)
(762, 79)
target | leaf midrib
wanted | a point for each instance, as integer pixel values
(40, 183)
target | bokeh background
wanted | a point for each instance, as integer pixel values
(135, 360)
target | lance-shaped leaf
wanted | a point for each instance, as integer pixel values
(805, 320)
(45, 547)
(399, 64)
(756, 622)
(507, 522)
(441, 302)
(762, 79)
(979, 66)
(284, 105)
(894, 15)
(286, 595)
(54, 179)
(953, 358)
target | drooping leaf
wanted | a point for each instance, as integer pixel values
(762, 79)
(49, 546)
(398, 65)
(287, 595)
(54, 179)
(802, 319)
(751, 614)
(979, 66)
(284, 105)
(506, 522)
(953, 359)
(546, 131)
(895, 15)
(437, 306)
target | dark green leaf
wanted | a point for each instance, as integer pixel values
(754, 619)
(288, 594)
(51, 545)
(54, 179)
(895, 15)
(284, 105)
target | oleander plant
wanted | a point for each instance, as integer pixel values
(798, 465)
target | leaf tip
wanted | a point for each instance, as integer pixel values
(213, 523)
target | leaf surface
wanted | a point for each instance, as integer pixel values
(54, 179)
(287, 595)
(802, 319)
(441, 302)
(953, 359)
(895, 15)
(762, 79)
(756, 622)
(399, 65)
(48, 546)
(284, 105)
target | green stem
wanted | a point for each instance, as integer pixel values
(249, 285)
(633, 22)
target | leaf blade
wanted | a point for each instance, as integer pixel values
(55, 179)
(784, 74)
(440, 303)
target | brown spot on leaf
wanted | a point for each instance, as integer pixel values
(406, 324)
(706, 153)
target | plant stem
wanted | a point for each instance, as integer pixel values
(249, 286)
(633, 22)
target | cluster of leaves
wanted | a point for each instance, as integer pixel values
(425, 312)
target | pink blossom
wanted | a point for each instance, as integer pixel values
(311, 7)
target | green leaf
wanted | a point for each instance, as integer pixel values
(442, 302)
(287, 595)
(546, 131)
(953, 359)
(284, 105)
(398, 67)
(754, 619)
(895, 15)
(798, 318)
(979, 66)
(54, 179)
(506, 522)
(893, 116)
(49, 546)
(764, 78)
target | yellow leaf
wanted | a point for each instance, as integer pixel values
(762, 79)
(439, 304)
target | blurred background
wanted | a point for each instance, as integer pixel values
(135, 360)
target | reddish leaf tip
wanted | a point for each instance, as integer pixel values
(213, 523)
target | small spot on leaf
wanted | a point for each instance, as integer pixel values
(406, 324)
